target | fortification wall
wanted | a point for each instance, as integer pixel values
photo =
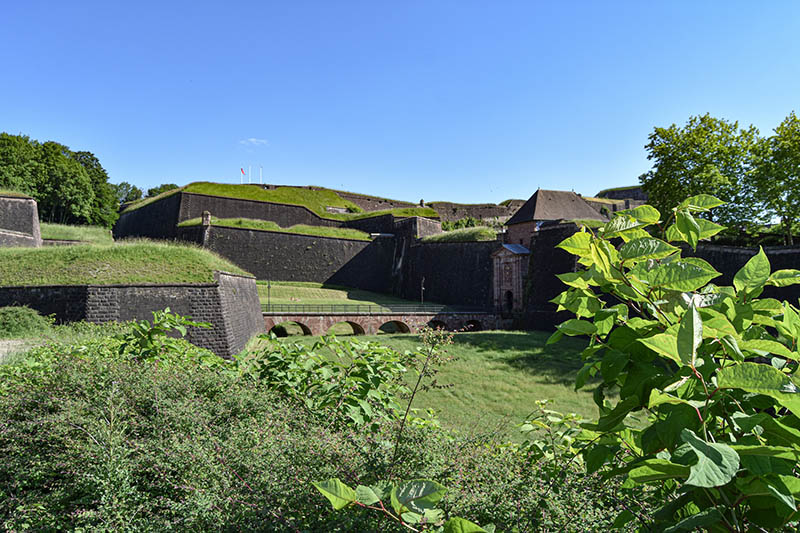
(457, 273)
(156, 220)
(449, 212)
(372, 203)
(378, 224)
(231, 305)
(19, 222)
(292, 257)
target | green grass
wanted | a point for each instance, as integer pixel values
(315, 200)
(496, 378)
(478, 233)
(303, 292)
(12, 194)
(266, 225)
(91, 234)
(129, 262)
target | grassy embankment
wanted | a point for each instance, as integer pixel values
(265, 225)
(478, 233)
(315, 200)
(306, 292)
(65, 232)
(13, 194)
(129, 262)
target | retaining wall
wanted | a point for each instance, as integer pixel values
(19, 222)
(449, 211)
(291, 257)
(230, 304)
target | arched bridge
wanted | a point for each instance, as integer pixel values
(368, 319)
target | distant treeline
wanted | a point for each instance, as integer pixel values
(69, 187)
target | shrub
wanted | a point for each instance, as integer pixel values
(22, 321)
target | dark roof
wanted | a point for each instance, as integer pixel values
(554, 205)
(516, 249)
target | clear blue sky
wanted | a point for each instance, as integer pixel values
(443, 100)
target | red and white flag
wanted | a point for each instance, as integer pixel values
(242, 171)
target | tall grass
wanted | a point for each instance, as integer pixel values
(90, 234)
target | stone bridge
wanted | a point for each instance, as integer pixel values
(369, 323)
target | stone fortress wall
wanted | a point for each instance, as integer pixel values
(19, 222)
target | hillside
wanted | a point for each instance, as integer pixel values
(130, 262)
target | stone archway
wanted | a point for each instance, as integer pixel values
(357, 328)
(284, 329)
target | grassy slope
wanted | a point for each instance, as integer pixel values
(12, 194)
(266, 225)
(92, 234)
(283, 292)
(314, 200)
(478, 233)
(131, 262)
(497, 377)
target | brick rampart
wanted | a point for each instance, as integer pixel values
(370, 324)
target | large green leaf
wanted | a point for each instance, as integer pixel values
(683, 275)
(644, 213)
(690, 335)
(700, 202)
(664, 344)
(754, 274)
(646, 248)
(688, 227)
(717, 463)
(460, 525)
(707, 228)
(619, 224)
(658, 469)
(761, 379)
(573, 327)
(417, 495)
(576, 244)
(784, 278)
(339, 494)
(696, 521)
(764, 346)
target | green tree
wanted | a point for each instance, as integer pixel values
(104, 207)
(707, 155)
(164, 187)
(125, 192)
(777, 175)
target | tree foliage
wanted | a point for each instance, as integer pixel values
(69, 187)
(164, 187)
(125, 192)
(707, 155)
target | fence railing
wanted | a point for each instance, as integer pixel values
(356, 309)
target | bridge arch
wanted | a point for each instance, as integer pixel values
(357, 329)
(285, 328)
(472, 325)
(394, 326)
(437, 324)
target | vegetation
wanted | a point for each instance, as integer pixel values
(21, 322)
(265, 225)
(758, 176)
(69, 187)
(125, 192)
(87, 234)
(13, 194)
(480, 233)
(143, 432)
(164, 187)
(713, 367)
(316, 200)
(128, 262)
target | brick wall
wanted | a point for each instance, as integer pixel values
(231, 305)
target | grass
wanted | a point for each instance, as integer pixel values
(315, 200)
(496, 378)
(12, 194)
(266, 225)
(477, 233)
(302, 292)
(129, 262)
(91, 234)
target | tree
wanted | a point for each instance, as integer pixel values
(125, 192)
(777, 175)
(707, 155)
(105, 206)
(164, 187)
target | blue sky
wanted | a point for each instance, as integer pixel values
(443, 100)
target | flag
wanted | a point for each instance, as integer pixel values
(242, 171)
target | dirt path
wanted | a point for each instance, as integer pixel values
(10, 345)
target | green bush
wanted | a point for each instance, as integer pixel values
(22, 321)
(708, 372)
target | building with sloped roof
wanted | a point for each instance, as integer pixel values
(547, 206)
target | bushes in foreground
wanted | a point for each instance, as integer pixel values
(99, 437)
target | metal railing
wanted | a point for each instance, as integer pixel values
(357, 309)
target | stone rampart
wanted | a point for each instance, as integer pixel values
(449, 212)
(370, 324)
(19, 222)
(230, 304)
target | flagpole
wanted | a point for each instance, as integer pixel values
(250, 174)
(261, 175)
